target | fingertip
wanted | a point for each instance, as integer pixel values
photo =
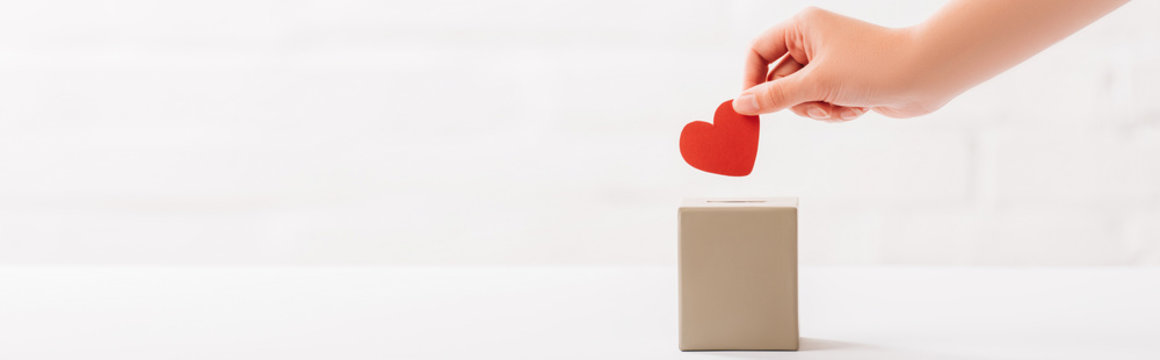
(800, 110)
(817, 113)
(851, 113)
(812, 110)
(746, 104)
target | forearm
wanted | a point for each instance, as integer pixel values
(970, 41)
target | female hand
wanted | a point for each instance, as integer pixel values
(833, 68)
(836, 68)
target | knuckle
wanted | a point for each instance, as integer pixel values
(819, 84)
(774, 96)
(810, 13)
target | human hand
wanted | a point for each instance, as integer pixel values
(836, 68)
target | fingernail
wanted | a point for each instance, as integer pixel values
(746, 103)
(849, 114)
(817, 113)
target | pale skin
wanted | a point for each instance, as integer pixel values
(829, 67)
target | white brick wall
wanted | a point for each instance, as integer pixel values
(531, 132)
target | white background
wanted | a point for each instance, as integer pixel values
(535, 132)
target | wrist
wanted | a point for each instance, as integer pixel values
(928, 80)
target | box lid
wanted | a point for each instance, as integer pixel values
(778, 202)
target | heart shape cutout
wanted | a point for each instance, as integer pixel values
(728, 146)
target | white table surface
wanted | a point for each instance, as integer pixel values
(560, 313)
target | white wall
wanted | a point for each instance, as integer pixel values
(534, 132)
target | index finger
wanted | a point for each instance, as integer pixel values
(771, 45)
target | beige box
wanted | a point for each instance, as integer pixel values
(738, 274)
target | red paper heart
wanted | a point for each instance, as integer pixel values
(728, 146)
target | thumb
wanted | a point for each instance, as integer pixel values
(776, 95)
